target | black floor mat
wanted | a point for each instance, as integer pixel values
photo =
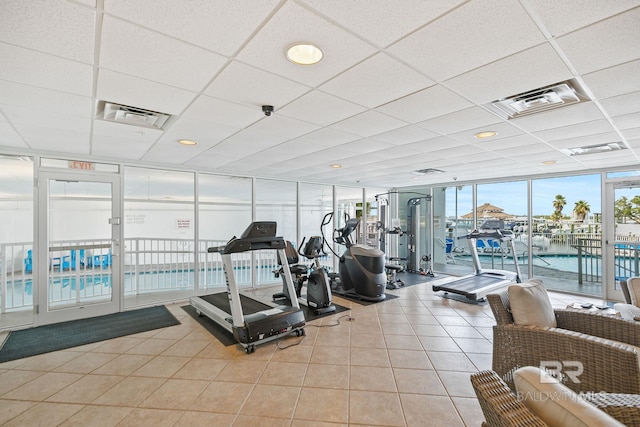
(58, 336)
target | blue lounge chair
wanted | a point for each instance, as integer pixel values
(28, 262)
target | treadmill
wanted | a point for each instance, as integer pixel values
(484, 281)
(263, 322)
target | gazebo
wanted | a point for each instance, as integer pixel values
(487, 211)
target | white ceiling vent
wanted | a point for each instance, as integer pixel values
(593, 149)
(535, 101)
(128, 115)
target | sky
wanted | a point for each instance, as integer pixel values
(512, 196)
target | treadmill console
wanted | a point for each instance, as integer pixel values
(258, 235)
(492, 224)
(260, 229)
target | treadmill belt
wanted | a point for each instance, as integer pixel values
(469, 284)
(221, 300)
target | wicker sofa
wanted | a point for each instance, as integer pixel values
(502, 408)
(630, 309)
(607, 347)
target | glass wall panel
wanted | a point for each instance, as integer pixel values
(348, 205)
(16, 241)
(451, 254)
(275, 201)
(414, 211)
(224, 204)
(566, 233)
(507, 202)
(159, 242)
(315, 201)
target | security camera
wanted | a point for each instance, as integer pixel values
(267, 110)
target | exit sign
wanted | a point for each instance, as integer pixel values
(82, 165)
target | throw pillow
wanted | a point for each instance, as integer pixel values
(530, 304)
(555, 403)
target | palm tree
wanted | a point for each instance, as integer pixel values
(558, 204)
(581, 209)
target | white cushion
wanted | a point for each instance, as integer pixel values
(555, 403)
(633, 284)
(530, 304)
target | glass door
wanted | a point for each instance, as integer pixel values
(79, 231)
(622, 240)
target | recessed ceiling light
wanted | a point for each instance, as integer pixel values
(187, 142)
(336, 166)
(304, 54)
(549, 162)
(486, 134)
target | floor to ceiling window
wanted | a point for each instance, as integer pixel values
(224, 211)
(275, 201)
(159, 223)
(566, 233)
(16, 241)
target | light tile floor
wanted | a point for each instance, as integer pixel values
(401, 362)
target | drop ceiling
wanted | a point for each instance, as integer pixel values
(404, 85)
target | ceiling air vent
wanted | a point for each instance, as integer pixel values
(128, 115)
(593, 149)
(427, 171)
(535, 101)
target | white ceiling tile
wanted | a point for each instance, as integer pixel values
(320, 108)
(405, 135)
(55, 27)
(623, 104)
(247, 142)
(472, 35)
(115, 147)
(204, 133)
(368, 124)
(283, 126)
(521, 72)
(376, 81)
(458, 121)
(20, 95)
(632, 133)
(575, 131)
(38, 69)
(212, 24)
(385, 23)
(143, 53)
(212, 110)
(561, 17)
(292, 24)
(123, 131)
(123, 89)
(21, 116)
(56, 140)
(244, 84)
(523, 150)
(627, 121)
(610, 42)
(9, 137)
(432, 102)
(586, 141)
(433, 144)
(326, 137)
(366, 145)
(510, 142)
(614, 81)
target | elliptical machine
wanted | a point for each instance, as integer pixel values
(318, 296)
(361, 269)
